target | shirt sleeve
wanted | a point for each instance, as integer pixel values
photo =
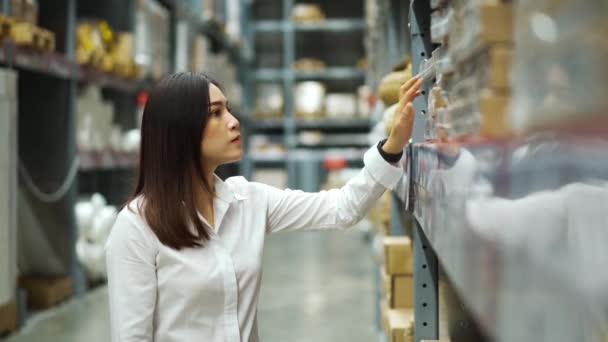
(292, 210)
(131, 264)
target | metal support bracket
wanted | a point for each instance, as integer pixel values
(425, 288)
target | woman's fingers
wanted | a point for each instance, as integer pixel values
(412, 91)
(407, 85)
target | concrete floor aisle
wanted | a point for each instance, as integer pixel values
(316, 287)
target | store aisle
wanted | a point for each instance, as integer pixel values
(316, 287)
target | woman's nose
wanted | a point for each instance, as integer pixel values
(233, 123)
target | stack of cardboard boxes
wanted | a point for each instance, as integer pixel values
(477, 37)
(398, 285)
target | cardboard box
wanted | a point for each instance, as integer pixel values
(8, 317)
(398, 290)
(398, 258)
(494, 115)
(400, 322)
(496, 22)
(500, 61)
(489, 69)
(45, 292)
(486, 114)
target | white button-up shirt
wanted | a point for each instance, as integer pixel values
(211, 293)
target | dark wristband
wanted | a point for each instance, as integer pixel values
(389, 157)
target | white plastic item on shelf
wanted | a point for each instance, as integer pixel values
(131, 141)
(102, 224)
(364, 94)
(8, 184)
(440, 21)
(152, 37)
(309, 99)
(233, 19)
(341, 106)
(84, 212)
(95, 220)
(273, 177)
(182, 48)
(269, 100)
(562, 51)
(200, 54)
(92, 257)
(95, 129)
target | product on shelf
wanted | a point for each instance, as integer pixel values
(398, 290)
(398, 258)
(152, 22)
(273, 177)
(25, 10)
(22, 28)
(472, 69)
(221, 69)
(390, 84)
(200, 54)
(309, 99)
(93, 38)
(305, 13)
(8, 316)
(309, 64)
(267, 146)
(365, 101)
(399, 324)
(98, 46)
(437, 104)
(476, 25)
(560, 72)
(485, 114)
(123, 56)
(44, 292)
(94, 219)
(440, 22)
(269, 101)
(341, 106)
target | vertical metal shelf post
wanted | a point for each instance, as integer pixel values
(288, 89)
(245, 71)
(77, 271)
(425, 261)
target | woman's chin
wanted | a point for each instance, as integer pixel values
(237, 157)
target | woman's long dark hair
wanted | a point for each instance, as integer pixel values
(170, 161)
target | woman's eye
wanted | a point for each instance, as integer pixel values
(216, 112)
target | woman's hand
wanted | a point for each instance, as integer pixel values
(403, 119)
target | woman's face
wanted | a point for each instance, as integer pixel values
(222, 137)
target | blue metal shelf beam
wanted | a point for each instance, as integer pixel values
(332, 73)
(330, 25)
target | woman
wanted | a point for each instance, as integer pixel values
(184, 256)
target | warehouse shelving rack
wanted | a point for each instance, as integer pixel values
(48, 86)
(285, 36)
(492, 261)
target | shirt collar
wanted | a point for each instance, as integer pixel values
(226, 191)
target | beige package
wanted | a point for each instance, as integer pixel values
(399, 322)
(398, 290)
(398, 258)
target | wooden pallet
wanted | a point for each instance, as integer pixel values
(46, 292)
(8, 317)
(28, 35)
